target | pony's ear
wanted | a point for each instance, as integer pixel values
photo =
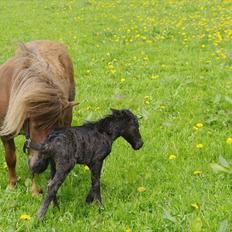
(73, 103)
(70, 104)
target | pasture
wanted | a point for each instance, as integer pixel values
(170, 62)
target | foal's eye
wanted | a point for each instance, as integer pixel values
(140, 117)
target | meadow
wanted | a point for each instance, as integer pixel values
(170, 62)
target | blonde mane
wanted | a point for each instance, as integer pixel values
(36, 93)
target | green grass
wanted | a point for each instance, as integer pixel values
(169, 61)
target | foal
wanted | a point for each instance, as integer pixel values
(88, 144)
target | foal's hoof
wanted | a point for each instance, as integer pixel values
(100, 205)
(56, 203)
(40, 215)
(89, 199)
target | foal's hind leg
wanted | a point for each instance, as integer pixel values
(53, 187)
(10, 158)
(94, 192)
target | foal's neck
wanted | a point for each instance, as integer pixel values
(111, 126)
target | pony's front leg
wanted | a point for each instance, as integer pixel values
(95, 192)
(35, 189)
(10, 158)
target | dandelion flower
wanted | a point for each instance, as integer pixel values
(154, 77)
(195, 205)
(197, 172)
(128, 230)
(122, 79)
(199, 125)
(141, 189)
(163, 66)
(97, 108)
(25, 217)
(172, 157)
(229, 140)
(199, 146)
(86, 168)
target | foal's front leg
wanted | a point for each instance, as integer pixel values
(53, 187)
(52, 174)
(95, 192)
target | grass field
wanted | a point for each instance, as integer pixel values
(168, 61)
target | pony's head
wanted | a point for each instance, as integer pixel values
(129, 127)
(39, 128)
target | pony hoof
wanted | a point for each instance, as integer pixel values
(10, 187)
(36, 192)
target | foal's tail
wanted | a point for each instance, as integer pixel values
(36, 93)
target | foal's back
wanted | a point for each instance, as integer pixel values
(82, 143)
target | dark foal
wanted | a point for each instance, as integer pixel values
(89, 144)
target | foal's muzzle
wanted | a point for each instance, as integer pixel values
(138, 145)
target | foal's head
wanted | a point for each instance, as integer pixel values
(129, 127)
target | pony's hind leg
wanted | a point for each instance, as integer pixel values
(10, 158)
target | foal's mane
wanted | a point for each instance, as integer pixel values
(36, 93)
(99, 123)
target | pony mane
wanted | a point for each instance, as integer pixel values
(35, 93)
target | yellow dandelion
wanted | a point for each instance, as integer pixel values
(199, 125)
(97, 108)
(199, 146)
(86, 168)
(197, 172)
(195, 205)
(154, 77)
(163, 66)
(141, 189)
(229, 140)
(122, 80)
(128, 230)
(146, 58)
(203, 45)
(172, 157)
(25, 217)
(113, 71)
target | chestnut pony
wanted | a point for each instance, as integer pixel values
(36, 87)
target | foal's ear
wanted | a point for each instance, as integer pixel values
(114, 111)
